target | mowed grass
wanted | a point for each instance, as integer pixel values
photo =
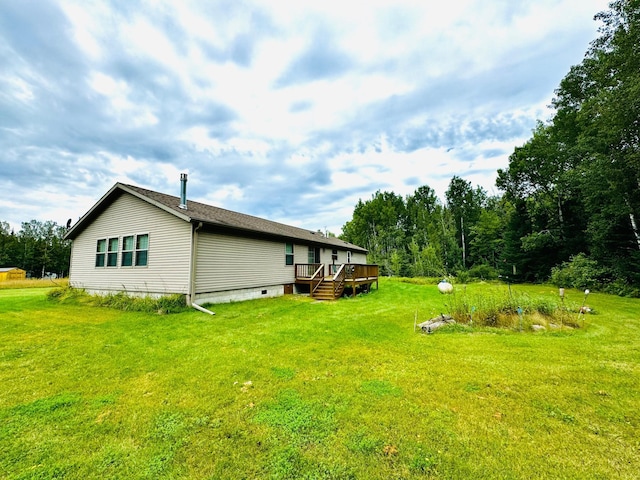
(291, 388)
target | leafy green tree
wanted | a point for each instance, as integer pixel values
(576, 182)
(487, 240)
(379, 225)
(432, 236)
(8, 246)
(38, 248)
(465, 205)
(599, 105)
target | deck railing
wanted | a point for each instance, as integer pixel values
(357, 270)
(352, 275)
(351, 270)
(306, 270)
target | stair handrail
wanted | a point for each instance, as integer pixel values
(318, 273)
(338, 281)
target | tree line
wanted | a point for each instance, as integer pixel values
(570, 194)
(38, 248)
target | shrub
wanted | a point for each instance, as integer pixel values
(65, 293)
(462, 276)
(483, 272)
(579, 272)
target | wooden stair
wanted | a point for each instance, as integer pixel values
(324, 291)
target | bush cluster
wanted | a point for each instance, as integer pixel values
(581, 272)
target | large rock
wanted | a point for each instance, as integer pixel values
(431, 325)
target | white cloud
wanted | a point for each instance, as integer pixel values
(274, 103)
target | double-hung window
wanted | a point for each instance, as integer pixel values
(288, 254)
(142, 250)
(101, 252)
(128, 248)
(112, 252)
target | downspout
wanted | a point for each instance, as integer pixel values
(192, 274)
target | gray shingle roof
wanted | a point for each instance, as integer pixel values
(216, 217)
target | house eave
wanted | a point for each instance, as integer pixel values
(108, 198)
(306, 237)
(214, 227)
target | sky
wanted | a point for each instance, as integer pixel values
(290, 110)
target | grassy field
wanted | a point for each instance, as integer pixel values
(34, 283)
(292, 388)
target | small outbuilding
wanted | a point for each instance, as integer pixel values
(12, 273)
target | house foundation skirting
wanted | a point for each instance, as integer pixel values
(130, 291)
(239, 295)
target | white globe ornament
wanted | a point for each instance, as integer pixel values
(445, 287)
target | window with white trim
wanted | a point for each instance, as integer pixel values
(101, 252)
(134, 251)
(288, 253)
(128, 249)
(112, 252)
(107, 252)
(142, 250)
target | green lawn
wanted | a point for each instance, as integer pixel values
(292, 388)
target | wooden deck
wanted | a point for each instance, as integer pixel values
(324, 286)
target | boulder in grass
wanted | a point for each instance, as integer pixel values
(440, 321)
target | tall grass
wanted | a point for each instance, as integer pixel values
(500, 307)
(122, 301)
(35, 283)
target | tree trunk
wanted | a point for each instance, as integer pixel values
(561, 219)
(464, 250)
(634, 225)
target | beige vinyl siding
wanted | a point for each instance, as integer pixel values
(226, 262)
(167, 270)
(300, 253)
(357, 257)
(326, 253)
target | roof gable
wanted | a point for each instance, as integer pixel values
(209, 215)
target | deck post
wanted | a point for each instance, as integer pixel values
(354, 276)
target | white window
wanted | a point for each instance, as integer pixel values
(128, 248)
(134, 251)
(288, 253)
(101, 252)
(142, 250)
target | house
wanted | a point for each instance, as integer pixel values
(12, 273)
(144, 242)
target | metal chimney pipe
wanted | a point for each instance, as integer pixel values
(183, 191)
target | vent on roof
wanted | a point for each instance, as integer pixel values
(183, 191)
